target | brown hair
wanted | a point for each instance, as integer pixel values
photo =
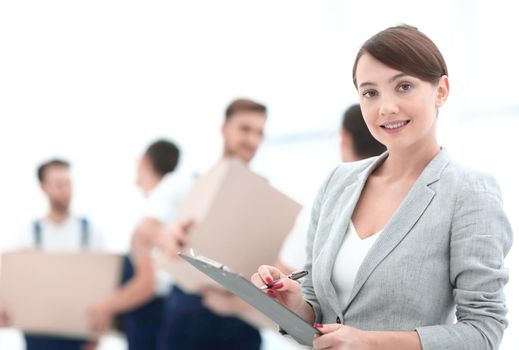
(163, 156)
(406, 49)
(42, 169)
(364, 144)
(244, 105)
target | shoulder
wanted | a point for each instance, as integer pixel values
(24, 238)
(478, 212)
(345, 170)
(346, 173)
(466, 180)
(165, 199)
(92, 228)
(172, 184)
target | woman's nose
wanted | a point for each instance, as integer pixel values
(388, 105)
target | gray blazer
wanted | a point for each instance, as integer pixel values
(442, 250)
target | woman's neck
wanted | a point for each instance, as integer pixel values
(407, 164)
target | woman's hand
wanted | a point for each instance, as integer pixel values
(286, 291)
(340, 337)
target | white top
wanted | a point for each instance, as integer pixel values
(350, 257)
(162, 204)
(65, 236)
(163, 201)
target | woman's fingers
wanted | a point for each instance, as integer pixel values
(272, 277)
(286, 284)
(330, 338)
(323, 342)
(268, 274)
(257, 281)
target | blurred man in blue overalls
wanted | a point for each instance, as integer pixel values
(59, 230)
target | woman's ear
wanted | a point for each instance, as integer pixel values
(442, 91)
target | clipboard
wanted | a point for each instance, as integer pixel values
(290, 322)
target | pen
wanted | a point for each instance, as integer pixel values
(293, 276)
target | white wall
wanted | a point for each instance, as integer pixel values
(96, 81)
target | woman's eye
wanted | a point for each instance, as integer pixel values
(369, 93)
(405, 87)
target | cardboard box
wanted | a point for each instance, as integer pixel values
(50, 293)
(240, 221)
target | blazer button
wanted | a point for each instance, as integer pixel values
(338, 320)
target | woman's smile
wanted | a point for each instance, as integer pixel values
(394, 126)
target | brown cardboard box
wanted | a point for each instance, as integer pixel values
(50, 293)
(240, 221)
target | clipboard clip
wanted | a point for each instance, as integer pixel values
(208, 261)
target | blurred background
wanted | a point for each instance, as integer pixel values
(96, 81)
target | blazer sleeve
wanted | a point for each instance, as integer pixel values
(307, 287)
(481, 237)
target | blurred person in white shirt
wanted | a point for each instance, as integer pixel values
(356, 143)
(139, 302)
(59, 230)
(188, 316)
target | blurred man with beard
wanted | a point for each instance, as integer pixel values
(59, 230)
(242, 129)
(188, 323)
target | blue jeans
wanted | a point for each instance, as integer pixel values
(188, 325)
(41, 342)
(141, 325)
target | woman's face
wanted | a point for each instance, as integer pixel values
(400, 110)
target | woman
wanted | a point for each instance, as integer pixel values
(398, 242)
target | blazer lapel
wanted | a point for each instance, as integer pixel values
(347, 202)
(411, 209)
